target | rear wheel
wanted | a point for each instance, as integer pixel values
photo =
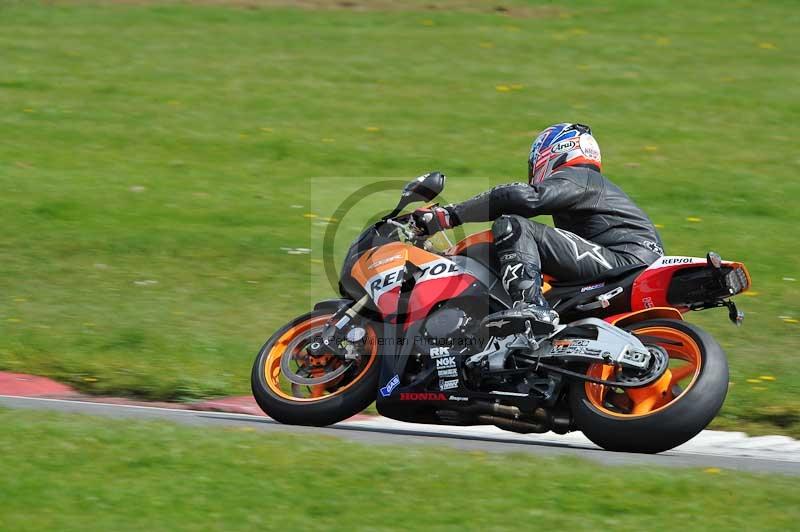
(294, 387)
(666, 413)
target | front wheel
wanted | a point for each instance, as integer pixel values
(293, 387)
(666, 413)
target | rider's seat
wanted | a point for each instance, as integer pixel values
(564, 296)
(610, 276)
(583, 298)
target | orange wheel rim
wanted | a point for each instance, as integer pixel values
(272, 366)
(685, 362)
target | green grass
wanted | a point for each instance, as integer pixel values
(70, 472)
(168, 142)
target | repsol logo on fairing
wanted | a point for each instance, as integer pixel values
(382, 283)
(423, 396)
(387, 280)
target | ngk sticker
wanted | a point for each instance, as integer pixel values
(446, 362)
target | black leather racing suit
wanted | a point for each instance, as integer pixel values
(597, 226)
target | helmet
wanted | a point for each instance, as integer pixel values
(562, 145)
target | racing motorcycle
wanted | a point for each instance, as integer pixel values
(622, 366)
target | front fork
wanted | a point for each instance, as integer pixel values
(341, 332)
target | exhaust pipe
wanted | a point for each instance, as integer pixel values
(514, 425)
(511, 418)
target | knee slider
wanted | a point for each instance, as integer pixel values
(504, 228)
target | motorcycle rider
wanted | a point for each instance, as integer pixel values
(597, 226)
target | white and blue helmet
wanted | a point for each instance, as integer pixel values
(562, 145)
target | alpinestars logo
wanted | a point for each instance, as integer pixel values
(511, 274)
(593, 253)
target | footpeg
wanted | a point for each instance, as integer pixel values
(517, 322)
(601, 301)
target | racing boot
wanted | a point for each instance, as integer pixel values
(530, 309)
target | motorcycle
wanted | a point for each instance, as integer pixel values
(623, 366)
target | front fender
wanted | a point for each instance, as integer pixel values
(333, 304)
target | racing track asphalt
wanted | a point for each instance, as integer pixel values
(768, 454)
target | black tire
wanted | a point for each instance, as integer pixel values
(325, 411)
(675, 423)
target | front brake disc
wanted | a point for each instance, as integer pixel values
(293, 377)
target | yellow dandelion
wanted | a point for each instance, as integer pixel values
(578, 31)
(712, 470)
(790, 320)
(753, 381)
(751, 293)
(663, 41)
(759, 389)
(487, 44)
(651, 148)
(502, 88)
(767, 46)
(659, 226)
(316, 261)
(330, 219)
(694, 219)
(427, 22)
(309, 215)
(373, 129)
(267, 129)
(766, 378)
(28, 110)
(517, 86)
(89, 379)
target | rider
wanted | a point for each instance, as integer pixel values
(597, 226)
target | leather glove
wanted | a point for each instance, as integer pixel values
(431, 220)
